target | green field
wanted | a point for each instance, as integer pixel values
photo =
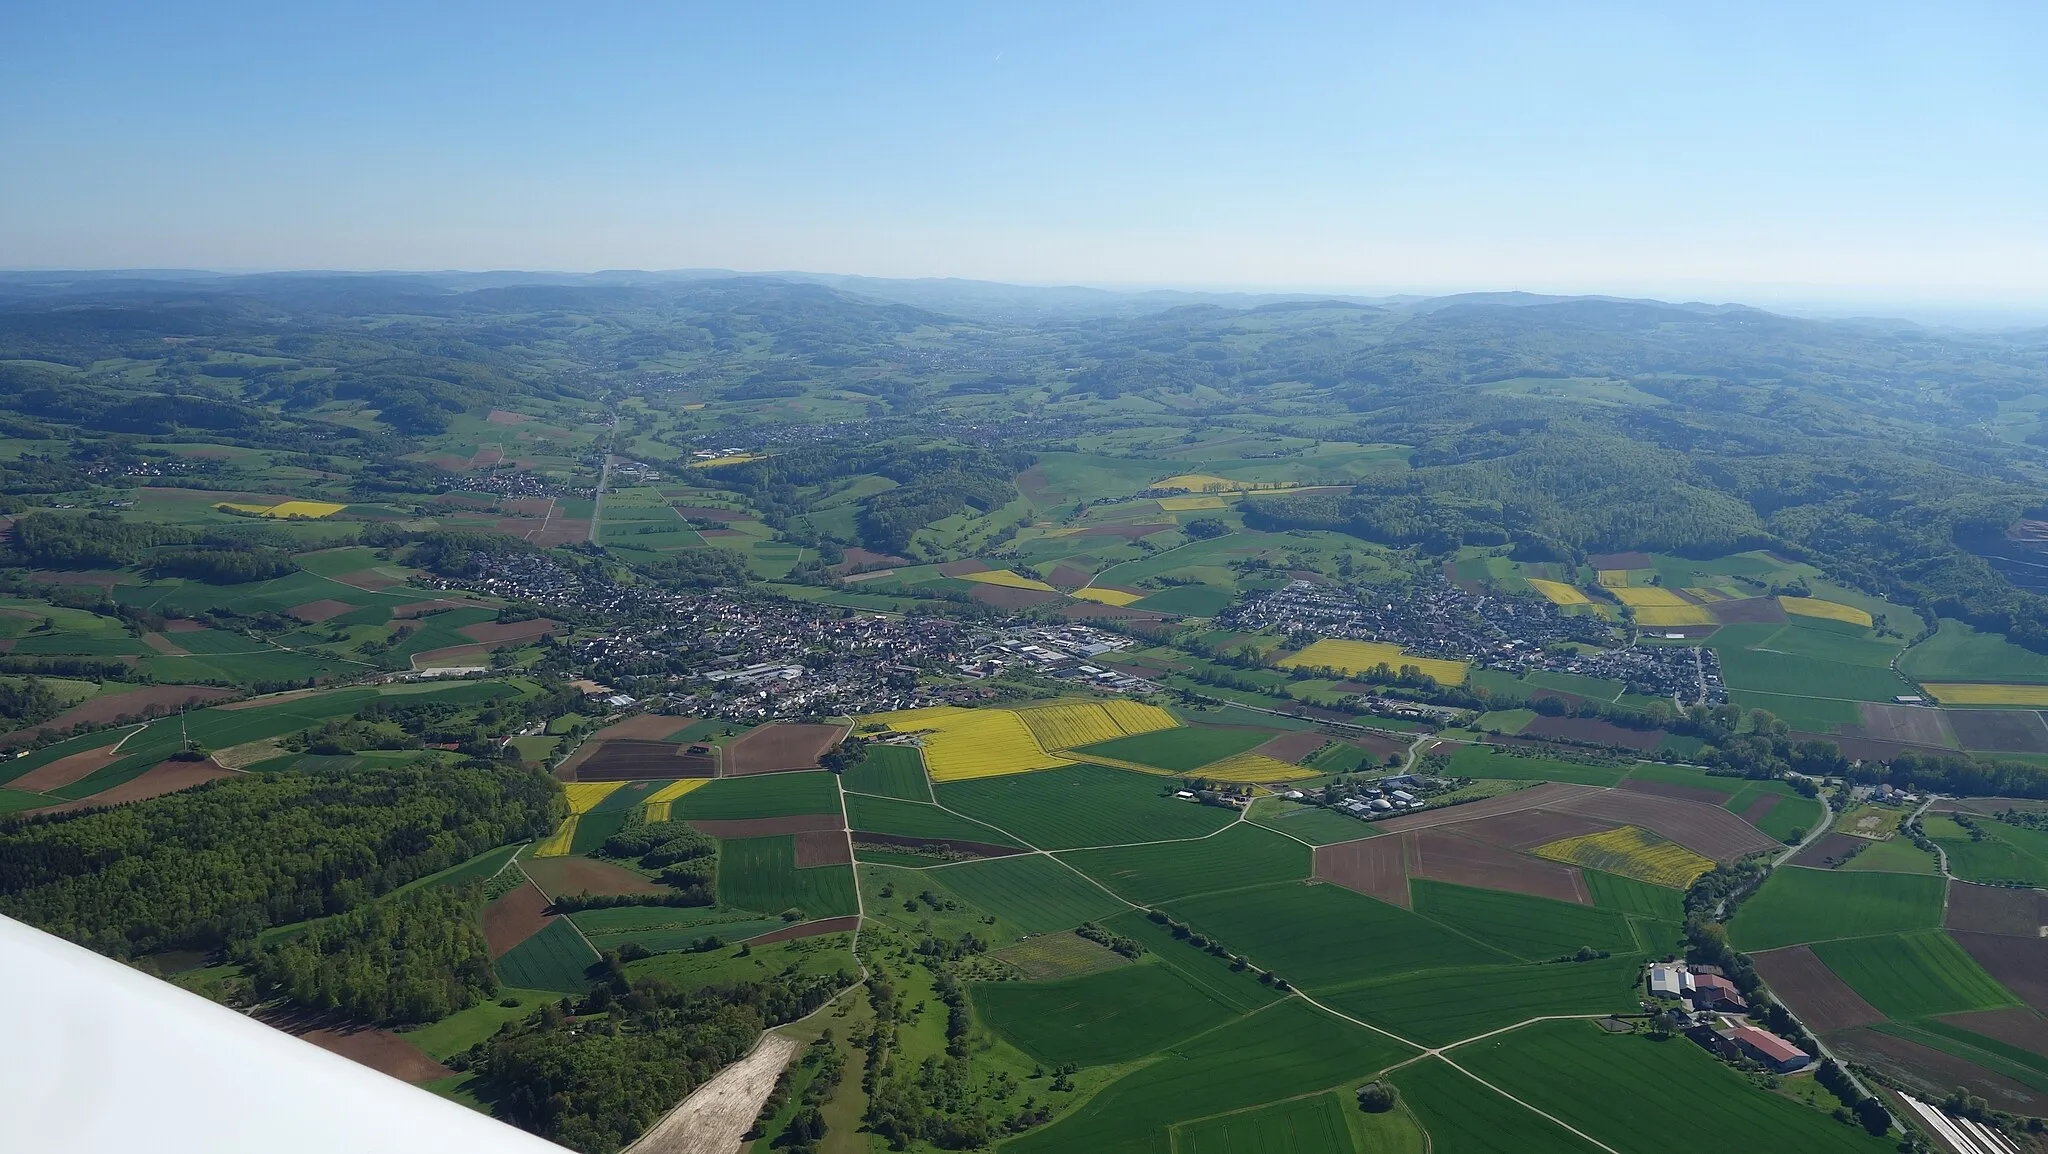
(1188, 601)
(1633, 1093)
(1238, 989)
(1031, 892)
(1183, 749)
(1636, 898)
(1772, 659)
(1530, 928)
(1311, 823)
(1439, 1007)
(462, 1029)
(765, 795)
(1243, 855)
(1117, 1015)
(1463, 1117)
(670, 927)
(1081, 805)
(1318, 936)
(889, 771)
(1914, 975)
(916, 819)
(2005, 854)
(1894, 856)
(1487, 761)
(553, 959)
(1314, 1125)
(1282, 1052)
(759, 873)
(1798, 905)
(1957, 652)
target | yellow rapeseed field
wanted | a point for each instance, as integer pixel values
(660, 805)
(1654, 615)
(1252, 767)
(1632, 853)
(1198, 483)
(735, 459)
(1559, 593)
(1007, 579)
(557, 844)
(284, 510)
(1074, 724)
(1097, 593)
(1361, 656)
(1956, 693)
(1830, 610)
(584, 795)
(1646, 596)
(967, 743)
(1136, 717)
(1189, 504)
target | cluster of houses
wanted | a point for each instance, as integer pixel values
(1711, 996)
(1067, 652)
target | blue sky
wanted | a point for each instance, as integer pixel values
(1839, 149)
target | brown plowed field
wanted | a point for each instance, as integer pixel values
(2023, 1028)
(1751, 610)
(514, 917)
(1704, 829)
(1446, 857)
(779, 746)
(455, 655)
(421, 608)
(1292, 747)
(184, 625)
(1376, 867)
(314, 612)
(1005, 597)
(156, 781)
(977, 848)
(772, 826)
(1619, 560)
(501, 417)
(2019, 964)
(822, 848)
(380, 1050)
(1381, 747)
(962, 568)
(1999, 730)
(1680, 792)
(1995, 910)
(1532, 827)
(1755, 810)
(1916, 725)
(65, 770)
(156, 700)
(1549, 795)
(808, 930)
(637, 761)
(1595, 731)
(1830, 850)
(1822, 1000)
(498, 633)
(1067, 577)
(581, 875)
(643, 727)
(164, 645)
(1933, 1074)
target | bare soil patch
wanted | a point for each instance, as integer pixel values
(1933, 1074)
(717, 1115)
(635, 761)
(314, 612)
(1822, 1000)
(2023, 1028)
(582, 875)
(462, 655)
(1594, 731)
(1293, 746)
(500, 632)
(104, 578)
(183, 625)
(528, 506)
(2000, 730)
(1619, 561)
(501, 417)
(643, 727)
(380, 1050)
(1549, 795)
(823, 848)
(1067, 577)
(773, 826)
(780, 746)
(838, 925)
(562, 531)
(514, 917)
(976, 848)
(152, 701)
(1830, 850)
(1447, 857)
(165, 645)
(1531, 827)
(65, 770)
(962, 568)
(156, 781)
(1680, 792)
(369, 580)
(2019, 964)
(1005, 597)
(1755, 810)
(1704, 829)
(857, 555)
(1382, 747)
(1995, 910)
(1918, 725)
(1376, 867)
(1747, 610)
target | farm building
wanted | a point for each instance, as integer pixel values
(1768, 1048)
(1670, 981)
(1713, 992)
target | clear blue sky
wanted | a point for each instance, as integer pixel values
(1855, 147)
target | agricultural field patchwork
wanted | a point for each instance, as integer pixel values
(1631, 853)
(1076, 724)
(1082, 805)
(1914, 975)
(964, 744)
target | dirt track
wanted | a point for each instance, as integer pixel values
(715, 1118)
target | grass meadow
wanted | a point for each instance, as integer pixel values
(1798, 905)
(1318, 936)
(1082, 805)
(889, 771)
(1533, 929)
(1031, 892)
(760, 874)
(1115, 1016)
(1243, 855)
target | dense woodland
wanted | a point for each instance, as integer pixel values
(413, 957)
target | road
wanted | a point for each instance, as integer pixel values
(604, 478)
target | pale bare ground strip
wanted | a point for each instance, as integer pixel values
(716, 1116)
